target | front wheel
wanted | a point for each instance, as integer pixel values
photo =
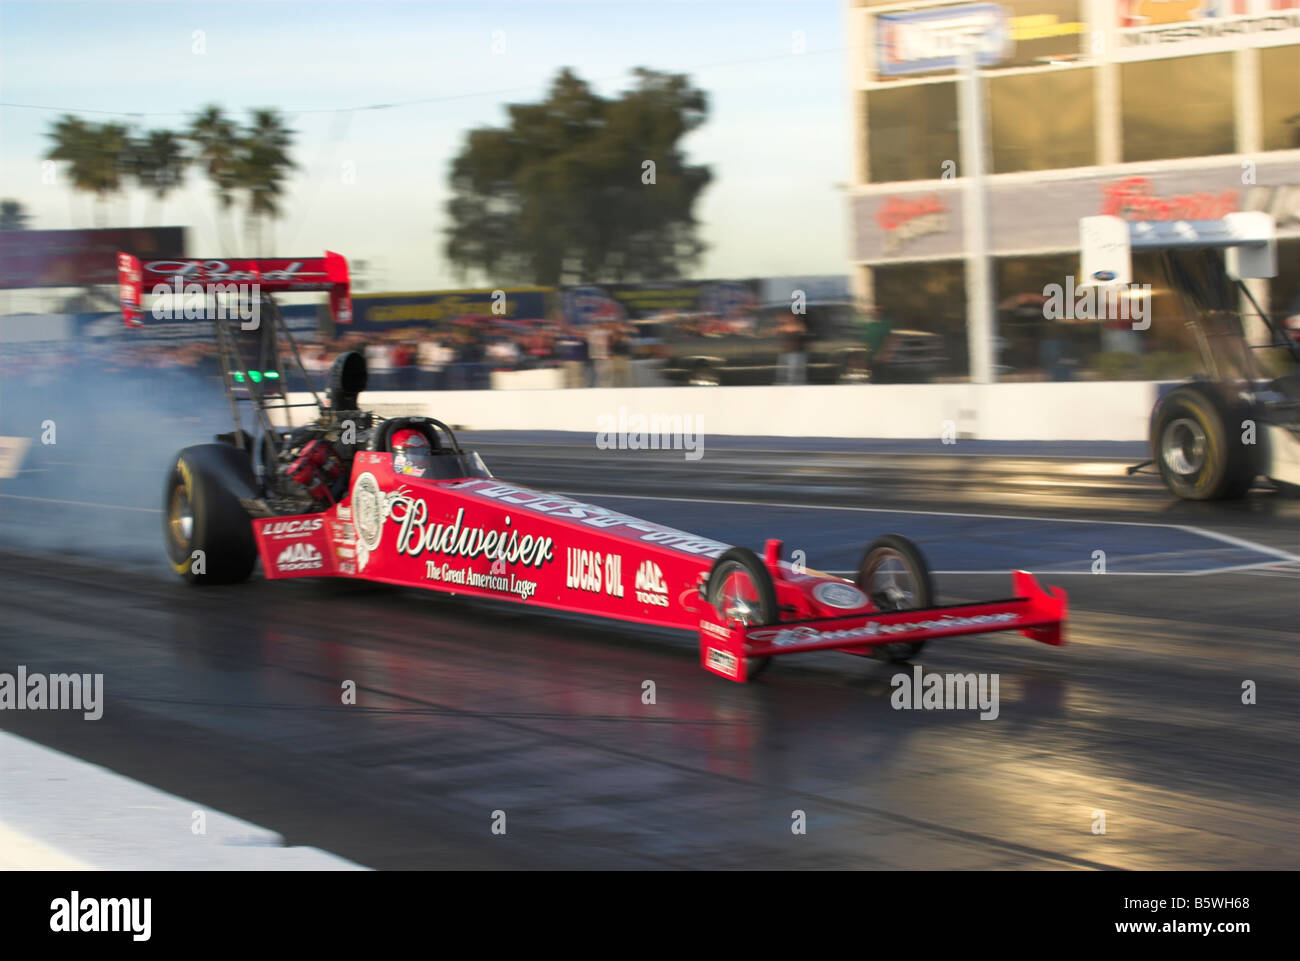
(740, 588)
(895, 576)
(209, 536)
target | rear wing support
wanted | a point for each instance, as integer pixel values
(248, 343)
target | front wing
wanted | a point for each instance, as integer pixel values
(1036, 613)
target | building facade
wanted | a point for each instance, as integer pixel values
(1148, 109)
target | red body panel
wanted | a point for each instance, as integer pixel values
(483, 537)
(445, 535)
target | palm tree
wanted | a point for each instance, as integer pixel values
(12, 215)
(97, 155)
(73, 145)
(217, 145)
(159, 164)
(112, 161)
(264, 164)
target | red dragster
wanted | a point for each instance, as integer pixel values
(397, 500)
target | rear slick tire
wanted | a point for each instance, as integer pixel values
(1196, 444)
(208, 535)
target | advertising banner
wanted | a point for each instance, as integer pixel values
(1017, 33)
(1041, 216)
(372, 313)
(79, 258)
(1163, 28)
(595, 303)
(925, 40)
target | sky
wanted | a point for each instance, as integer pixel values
(777, 137)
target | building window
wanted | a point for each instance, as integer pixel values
(911, 131)
(1032, 343)
(1180, 107)
(930, 297)
(1042, 120)
(1279, 81)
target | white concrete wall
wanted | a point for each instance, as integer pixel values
(1040, 411)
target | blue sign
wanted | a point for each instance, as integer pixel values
(928, 40)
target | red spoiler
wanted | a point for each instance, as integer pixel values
(1036, 613)
(276, 274)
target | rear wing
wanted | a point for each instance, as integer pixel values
(1106, 244)
(1249, 242)
(253, 341)
(137, 280)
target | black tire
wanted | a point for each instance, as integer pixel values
(704, 374)
(1196, 444)
(743, 559)
(851, 368)
(201, 512)
(895, 575)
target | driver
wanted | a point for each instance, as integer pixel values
(411, 452)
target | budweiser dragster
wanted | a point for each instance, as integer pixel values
(399, 501)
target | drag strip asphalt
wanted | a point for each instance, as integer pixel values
(231, 696)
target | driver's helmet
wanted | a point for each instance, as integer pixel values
(411, 452)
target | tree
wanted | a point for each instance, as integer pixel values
(262, 165)
(12, 215)
(254, 159)
(564, 193)
(97, 157)
(158, 163)
(216, 145)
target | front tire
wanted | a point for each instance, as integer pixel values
(209, 536)
(1196, 444)
(704, 374)
(740, 588)
(894, 574)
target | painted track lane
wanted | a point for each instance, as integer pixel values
(231, 696)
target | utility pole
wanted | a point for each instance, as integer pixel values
(981, 322)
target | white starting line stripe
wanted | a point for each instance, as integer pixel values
(61, 813)
(18, 852)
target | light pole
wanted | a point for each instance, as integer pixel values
(981, 322)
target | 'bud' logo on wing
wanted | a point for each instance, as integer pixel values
(299, 557)
(650, 585)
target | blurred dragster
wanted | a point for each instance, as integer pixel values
(398, 501)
